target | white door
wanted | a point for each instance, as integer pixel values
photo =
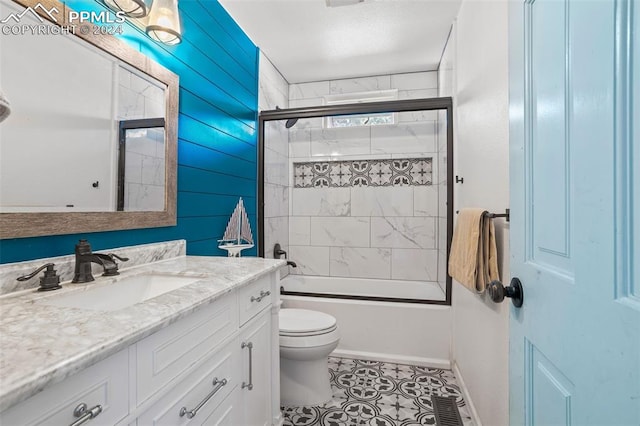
(575, 228)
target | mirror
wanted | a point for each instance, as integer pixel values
(91, 141)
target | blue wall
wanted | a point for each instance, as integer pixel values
(217, 135)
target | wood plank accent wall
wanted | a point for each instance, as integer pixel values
(217, 135)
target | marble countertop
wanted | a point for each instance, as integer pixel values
(41, 345)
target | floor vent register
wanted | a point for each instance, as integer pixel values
(446, 411)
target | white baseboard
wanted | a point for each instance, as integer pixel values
(278, 420)
(466, 396)
(397, 359)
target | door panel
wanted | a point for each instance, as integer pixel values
(548, 145)
(634, 158)
(628, 155)
(575, 344)
(550, 390)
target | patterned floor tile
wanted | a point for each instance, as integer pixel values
(374, 393)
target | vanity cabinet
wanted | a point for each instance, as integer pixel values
(214, 367)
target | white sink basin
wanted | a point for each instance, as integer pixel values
(125, 292)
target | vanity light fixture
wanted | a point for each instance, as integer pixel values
(164, 22)
(160, 19)
(5, 107)
(131, 8)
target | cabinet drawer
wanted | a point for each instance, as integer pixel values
(105, 383)
(195, 388)
(165, 355)
(254, 297)
(228, 413)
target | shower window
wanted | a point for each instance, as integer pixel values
(359, 120)
(364, 212)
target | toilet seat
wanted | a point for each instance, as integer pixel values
(302, 328)
(303, 322)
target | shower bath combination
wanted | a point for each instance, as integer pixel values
(409, 144)
(337, 217)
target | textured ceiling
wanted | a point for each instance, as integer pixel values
(308, 41)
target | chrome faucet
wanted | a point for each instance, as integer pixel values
(84, 259)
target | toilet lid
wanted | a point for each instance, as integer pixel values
(305, 322)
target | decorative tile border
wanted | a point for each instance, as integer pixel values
(340, 174)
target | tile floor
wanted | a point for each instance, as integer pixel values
(374, 393)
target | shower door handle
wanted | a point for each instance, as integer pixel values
(249, 346)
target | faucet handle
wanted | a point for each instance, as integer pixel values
(112, 270)
(49, 281)
(277, 251)
(121, 259)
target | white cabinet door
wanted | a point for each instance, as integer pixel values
(255, 343)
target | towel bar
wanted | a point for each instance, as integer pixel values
(506, 214)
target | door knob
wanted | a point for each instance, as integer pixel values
(498, 292)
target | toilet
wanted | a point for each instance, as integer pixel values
(306, 340)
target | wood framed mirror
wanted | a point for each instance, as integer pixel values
(35, 152)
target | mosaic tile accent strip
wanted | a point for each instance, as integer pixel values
(380, 394)
(340, 174)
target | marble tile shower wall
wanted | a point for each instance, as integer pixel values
(385, 232)
(273, 92)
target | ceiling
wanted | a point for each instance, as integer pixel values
(308, 41)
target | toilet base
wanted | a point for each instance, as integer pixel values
(304, 383)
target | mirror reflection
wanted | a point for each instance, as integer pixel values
(141, 165)
(61, 148)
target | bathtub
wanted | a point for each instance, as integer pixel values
(410, 333)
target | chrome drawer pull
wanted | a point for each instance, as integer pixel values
(217, 385)
(84, 414)
(250, 384)
(263, 294)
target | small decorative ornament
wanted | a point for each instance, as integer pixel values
(237, 236)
